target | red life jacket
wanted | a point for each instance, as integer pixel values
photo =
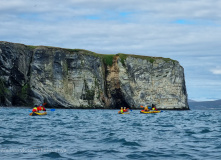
(34, 109)
(41, 108)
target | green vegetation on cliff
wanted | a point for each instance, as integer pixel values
(24, 91)
(123, 57)
(3, 89)
(108, 58)
(32, 47)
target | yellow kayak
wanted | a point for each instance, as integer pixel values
(146, 112)
(37, 113)
(123, 112)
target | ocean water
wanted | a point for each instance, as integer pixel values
(104, 134)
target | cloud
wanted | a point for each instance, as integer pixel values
(216, 71)
(188, 31)
(145, 26)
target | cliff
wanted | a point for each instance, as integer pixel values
(73, 78)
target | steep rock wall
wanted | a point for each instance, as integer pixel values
(15, 62)
(82, 79)
(161, 83)
(65, 79)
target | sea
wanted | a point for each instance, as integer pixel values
(80, 134)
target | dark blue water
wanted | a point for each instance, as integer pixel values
(104, 134)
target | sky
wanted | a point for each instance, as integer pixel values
(188, 31)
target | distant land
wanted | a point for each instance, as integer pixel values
(190, 100)
(205, 104)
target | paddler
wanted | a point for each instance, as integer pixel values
(154, 107)
(121, 110)
(35, 109)
(39, 108)
(146, 109)
(125, 109)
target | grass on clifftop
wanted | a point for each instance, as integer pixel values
(148, 58)
(108, 58)
(32, 47)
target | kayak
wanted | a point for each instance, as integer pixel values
(146, 112)
(37, 114)
(124, 113)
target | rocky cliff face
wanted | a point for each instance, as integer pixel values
(82, 79)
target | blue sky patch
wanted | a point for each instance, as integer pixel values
(29, 16)
(201, 22)
(183, 21)
(124, 14)
(92, 17)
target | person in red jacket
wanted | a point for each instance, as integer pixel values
(125, 109)
(35, 109)
(39, 108)
(154, 107)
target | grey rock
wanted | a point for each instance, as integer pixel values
(81, 79)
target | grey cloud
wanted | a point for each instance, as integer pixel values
(150, 29)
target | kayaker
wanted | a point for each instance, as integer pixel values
(121, 110)
(35, 109)
(146, 108)
(125, 109)
(154, 107)
(39, 108)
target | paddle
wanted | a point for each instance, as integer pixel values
(51, 109)
(144, 107)
(131, 108)
(47, 110)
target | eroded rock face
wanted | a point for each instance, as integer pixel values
(161, 83)
(66, 80)
(80, 79)
(15, 62)
(114, 90)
